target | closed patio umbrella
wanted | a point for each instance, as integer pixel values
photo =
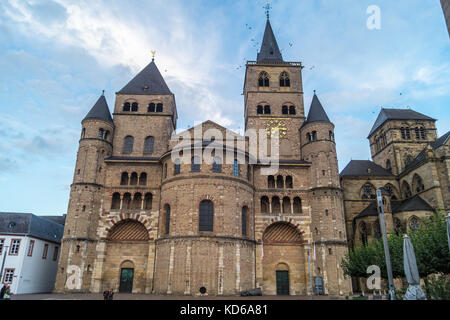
(448, 230)
(414, 291)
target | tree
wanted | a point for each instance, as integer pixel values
(430, 246)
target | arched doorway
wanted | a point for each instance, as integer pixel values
(284, 262)
(126, 277)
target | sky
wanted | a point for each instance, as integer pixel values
(56, 57)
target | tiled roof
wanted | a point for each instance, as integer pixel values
(30, 224)
(148, 81)
(100, 111)
(269, 47)
(364, 168)
(397, 114)
(316, 112)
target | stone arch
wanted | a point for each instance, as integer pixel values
(417, 184)
(128, 230)
(413, 222)
(406, 189)
(282, 232)
(368, 191)
(392, 191)
(108, 225)
(127, 264)
(282, 266)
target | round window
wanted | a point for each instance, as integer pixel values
(202, 290)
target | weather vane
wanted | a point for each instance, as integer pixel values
(267, 7)
(153, 55)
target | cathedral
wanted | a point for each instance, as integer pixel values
(140, 220)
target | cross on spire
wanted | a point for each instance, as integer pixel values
(267, 7)
(153, 55)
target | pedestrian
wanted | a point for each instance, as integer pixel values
(7, 295)
(2, 292)
(106, 294)
(111, 294)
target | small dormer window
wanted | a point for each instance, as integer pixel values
(11, 225)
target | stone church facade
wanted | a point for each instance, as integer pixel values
(141, 220)
(411, 163)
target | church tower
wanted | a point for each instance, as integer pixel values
(273, 93)
(327, 212)
(85, 204)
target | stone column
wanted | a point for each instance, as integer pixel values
(150, 268)
(97, 273)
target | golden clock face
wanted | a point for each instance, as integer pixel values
(276, 127)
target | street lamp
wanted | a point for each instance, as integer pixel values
(380, 193)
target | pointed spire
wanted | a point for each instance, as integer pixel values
(269, 47)
(316, 111)
(148, 81)
(100, 110)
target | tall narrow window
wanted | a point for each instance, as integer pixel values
(236, 168)
(206, 216)
(149, 145)
(217, 165)
(408, 133)
(126, 201)
(176, 167)
(148, 199)
(263, 80)
(30, 248)
(402, 131)
(280, 182)
(276, 205)
(297, 205)
(128, 145)
(137, 201)
(331, 135)
(2, 244)
(44, 254)
(266, 109)
(151, 107)
(134, 106)
(143, 179)
(292, 110)
(416, 130)
(388, 165)
(115, 203)
(133, 179)
(284, 110)
(167, 219)
(15, 246)
(271, 182)
(422, 133)
(286, 205)
(124, 179)
(265, 204)
(159, 107)
(249, 170)
(289, 183)
(284, 80)
(244, 221)
(126, 106)
(100, 133)
(259, 110)
(314, 136)
(195, 164)
(308, 137)
(55, 253)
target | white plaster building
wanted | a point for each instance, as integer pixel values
(29, 251)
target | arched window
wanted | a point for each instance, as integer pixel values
(297, 205)
(264, 204)
(377, 229)
(206, 216)
(406, 190)
(176, 167)
(106, 135)
(195, 164)
(422, 133)
(280, 182)
(418, 185)
(391, 190)
(259, 109)
(134, 106)
(128, 145)
(289, 184)
(126, 106)
(137, 201)
(124, 179)
(159, 107)
(286, 205)
(363, 232)
(236, 168)
(263, 80)
(115, 203)
(151, 107)
(416, 130)
(271, 182)
(408, 159)
(284, 80)
(276, 205)
(167, 219)
(165, 170)
(267, 109)
(249, 172)
(100, 133)
(148, 199)
(149, 145)
(413, 223)
(143, 179)
(217, 165)
(284, 110)
(331, 135)
(292, 110)
(408, 133)
(244, 220)
(126, 202)
(133, 179)
(398, 226)
(388, 165)
(368, 192)
(314, 136)
(308, 137)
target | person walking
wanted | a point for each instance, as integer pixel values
(111, 294)
(106, 294)
(2, 292)
(7, 295)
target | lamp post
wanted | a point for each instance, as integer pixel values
(5, 251)
(385, 243)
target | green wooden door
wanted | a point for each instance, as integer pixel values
(126, 280)
(282, 283)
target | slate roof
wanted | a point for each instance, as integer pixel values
(397, 114)
(100, 111)
(365, 168)
(269, 47)
(422, 155)
(316, 112)
(148, 81)
(30, 224)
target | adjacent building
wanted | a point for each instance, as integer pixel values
(446, 8)
(411, 163)
(140, 220)
(29, 251)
